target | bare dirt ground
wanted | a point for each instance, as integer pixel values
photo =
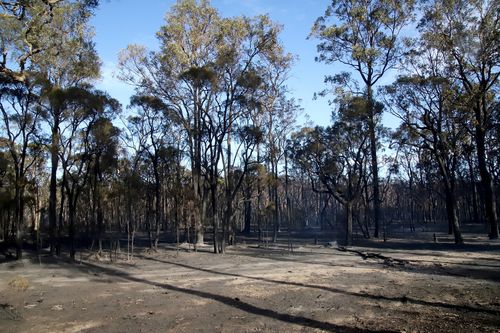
(376, 287)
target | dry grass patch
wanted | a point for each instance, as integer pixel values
(19, 283)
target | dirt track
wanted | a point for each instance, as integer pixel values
(251, 289)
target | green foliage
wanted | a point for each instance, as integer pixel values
(35, 33)
(200, 76)
(467, 34)
(105, 143)
(363, 34)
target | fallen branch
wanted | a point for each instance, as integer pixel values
(373, 255)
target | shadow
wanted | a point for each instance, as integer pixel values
(411, 246)
(472, 270)
(234, 302)
(403, 299)
(434, 253)
(289, 257)
(469, 264)
(477, 272)
(281, 255)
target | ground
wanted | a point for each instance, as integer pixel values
(376, 286)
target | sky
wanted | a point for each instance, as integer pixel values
(118, 23)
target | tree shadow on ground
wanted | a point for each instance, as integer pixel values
(477, 272)
(285, 256)
(253, 250)
(432, 253)
(233, 302)
(403, 299)
(430, 246)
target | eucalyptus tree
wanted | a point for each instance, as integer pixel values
(258, 96)
(179, 75)
(249, 190)
(428, 104)
(438, 134)
(406, 167)
(278, 121)
(154, 129)
(334, 157)
(247, 136)
(467, 32)
(47, 45)
(73, 62)
(21, 26)
(279, 124)
(366, 37)
(88, 106)
(27, 31)
(204, 69)
(21, 126)
(131, 188)
(104, 146)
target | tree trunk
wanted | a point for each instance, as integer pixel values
(19, 223)
(61, 217)
(54, 161)
(248, 211)
(71, 230)
(149, 223)
(374, 163)
(215, 224)
(158, 207)
(274, 198)
(98, 203)
(200, 228)
(348, 210)
(451, 209)
(486, 179)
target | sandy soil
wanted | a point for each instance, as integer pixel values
(374, 288)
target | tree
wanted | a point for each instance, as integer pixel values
(72, 63)
(104, 149)
(6, 195)
(334, 157)
(88, 106)
(428, 110)
(180, 76)
(153, 126)
(467, 32)
(204, 74)
(279, 117)
(21, 125)
(27, 31)
(365, 36)
(131, 185)
(429, 104)
(49, 42)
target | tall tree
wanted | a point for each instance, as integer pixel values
(104, 149)
(153, 126)
(278, 120)
(468, 32)
(427, 107)
(76, 152)
(180, 75)
(204, 72)
(21, 125)
(71, 63)
(364, 35)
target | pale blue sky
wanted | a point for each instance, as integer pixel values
(121, 22)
